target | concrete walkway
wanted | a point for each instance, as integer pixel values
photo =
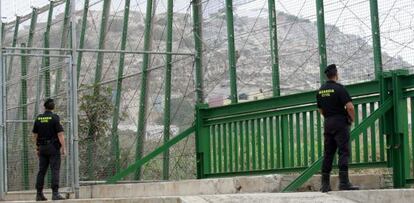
(363, 196)
(237, 189)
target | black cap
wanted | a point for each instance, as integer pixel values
(49, 104)
(331, 70)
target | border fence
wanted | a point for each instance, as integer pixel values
(138, 76)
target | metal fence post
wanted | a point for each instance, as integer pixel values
(167, 95)
(231, 51)
(23, 116)
(74, 102)
(144, 87)
(14, 44)
(198, 42)
(82, 37)
(2, 130)
(399, 136)
(320, 13)
(376, 39)
(274, 48)
(2, 118)
(63, 44)
(46, 59)
(115, 120)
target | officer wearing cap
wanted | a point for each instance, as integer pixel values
(335, 104)
(50, 142)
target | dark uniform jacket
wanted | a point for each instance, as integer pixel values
(332, 98)
(47, 126)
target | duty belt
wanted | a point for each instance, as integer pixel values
(45, 142)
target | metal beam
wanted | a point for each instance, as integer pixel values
(274, 48)
(115, 119)
(167, 90)
(198, 42)
(285, 101)
(101, 51)
(82, 37)
(102, 40)
(14, 44)
(63, 44)
(46, 52)
(32, 31)
(143, 99)
(231, 51)
(320, 13)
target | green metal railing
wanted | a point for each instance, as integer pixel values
(284, 134)
(276, 138)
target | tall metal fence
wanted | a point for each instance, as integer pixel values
(143, 65)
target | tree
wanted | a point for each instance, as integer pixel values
(94, 126)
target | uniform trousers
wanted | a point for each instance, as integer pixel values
(49, 154)
(336, 137)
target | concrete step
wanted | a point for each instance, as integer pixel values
(234, 185)
(363, 196)
(378, 196)
(30, 195)
(236, 198)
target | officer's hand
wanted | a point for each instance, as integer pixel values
(37, 152)
(63, 151)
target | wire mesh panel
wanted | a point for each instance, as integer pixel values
(109, 99)
(26, 90)
(397, 39)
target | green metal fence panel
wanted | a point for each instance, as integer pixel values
(305, 138)
(319, 133)
(274, 135)
(259, 145)
(365, 134)
(312, 136)
(298, 147)
(231, 147)
(291, 141)
(274, 140)
(225, 151)
(373, 130)
(247, 144)
(220, 157)
(242, 145)
(236, 145)
(357, 140)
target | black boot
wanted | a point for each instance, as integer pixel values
(344, 183)
(57, 196)
(40, 196)
(325, 182)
